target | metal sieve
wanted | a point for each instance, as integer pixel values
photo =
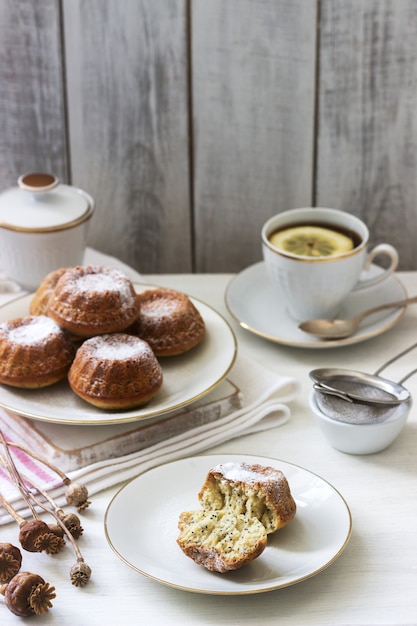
(354, 396)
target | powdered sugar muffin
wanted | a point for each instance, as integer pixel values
(41, 297)
(116, 371)
(93, 300)
(241, 505)
(168, 321)
(34, 352)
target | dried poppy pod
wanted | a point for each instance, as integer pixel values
(10, 561)
(56, 530)
(76, 495)
(72, 523)
(80, 573)
(28, 594)
(36, 536)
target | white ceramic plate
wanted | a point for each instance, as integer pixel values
(186, 377)
(144, 537)
(259, 307)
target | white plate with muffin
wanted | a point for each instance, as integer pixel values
(311, 524)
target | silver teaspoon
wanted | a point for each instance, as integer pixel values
(339, 328)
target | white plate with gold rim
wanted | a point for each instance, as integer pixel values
(144, 537)
(259, 307)
(187, 377)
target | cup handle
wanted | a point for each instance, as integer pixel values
(382, 248)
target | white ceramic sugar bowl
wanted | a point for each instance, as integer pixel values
(43, 226)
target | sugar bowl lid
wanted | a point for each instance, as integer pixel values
(40, 203)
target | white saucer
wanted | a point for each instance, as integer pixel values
(259, 307)
(315, 538)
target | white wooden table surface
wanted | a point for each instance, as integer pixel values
(372, 582)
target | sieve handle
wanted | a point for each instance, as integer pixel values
(329, 391)
(332, 391)
(414, 345)
(408, 376)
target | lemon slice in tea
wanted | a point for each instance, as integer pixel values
(311, 241)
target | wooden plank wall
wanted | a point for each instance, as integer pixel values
(192, 121)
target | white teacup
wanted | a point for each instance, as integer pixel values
(315, 287)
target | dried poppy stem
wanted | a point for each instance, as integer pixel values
(81, 572)
(65, 479)
(30, 497)
(76, 494)
(44, 493)
(11, 511)
(14, 475)
(71, 521)
(35, 535)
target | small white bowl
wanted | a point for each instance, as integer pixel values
(360, 438)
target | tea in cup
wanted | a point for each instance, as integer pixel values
(318, 256)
